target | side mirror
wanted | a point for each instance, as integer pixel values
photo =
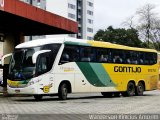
(36, 54)
(5, 56)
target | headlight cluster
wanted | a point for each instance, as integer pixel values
(33, 81)
(30, 83)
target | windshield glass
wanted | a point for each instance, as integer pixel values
(21, 66)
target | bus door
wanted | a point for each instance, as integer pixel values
(45, 77)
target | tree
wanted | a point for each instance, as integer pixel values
(121, 36)
(149, 25)
(99, 34)
(129, 22)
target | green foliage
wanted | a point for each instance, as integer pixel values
(121, 36)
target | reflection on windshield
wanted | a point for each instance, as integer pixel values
(21, 66)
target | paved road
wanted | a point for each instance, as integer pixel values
(78, 104)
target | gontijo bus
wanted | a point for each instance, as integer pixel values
(67, 65)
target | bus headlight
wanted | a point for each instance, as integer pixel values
(30, 83)
(33, 81)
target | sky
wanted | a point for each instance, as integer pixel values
(115, 12)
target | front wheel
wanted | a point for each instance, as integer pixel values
(140, 89)
(38, 97)
(63, 91)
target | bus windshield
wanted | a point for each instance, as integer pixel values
(21, 66)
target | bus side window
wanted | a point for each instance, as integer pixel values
(87, 54)
(152, 58)
(43, 64)
(70, 54)
(147, 58)
(155, 57)
(141, 58)
(65, 57)
(134, 57)
(128, 57)
(103, 55)
(118, 56)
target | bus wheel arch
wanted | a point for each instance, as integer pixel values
(142, 81)
(140, 88)
(38, 97)
(130, 89)
(64, 89)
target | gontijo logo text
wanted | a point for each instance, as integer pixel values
(127, 69)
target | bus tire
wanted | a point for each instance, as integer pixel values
(140, 89)
(130, 90)
(107, 94)
(63, 91)
(38, 97)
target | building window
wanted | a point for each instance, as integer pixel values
(79, 20)
(71, 6)
(31, 2)
(70, 15)
(79, 12)
(90, 4)
(89, 12)
(90, 21)
(90, 30)
(26, 1)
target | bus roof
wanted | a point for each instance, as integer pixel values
(74, 41)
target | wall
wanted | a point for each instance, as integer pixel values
(8, 46)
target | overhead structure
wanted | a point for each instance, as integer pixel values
(18, 17)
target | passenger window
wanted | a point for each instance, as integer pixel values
(128, 57)
(52, 55)
(87, 54)
(152, 58)
(134, 57)
(141, 58)
(103, 55)
(70, 54)
(118, 56)
(147, 58)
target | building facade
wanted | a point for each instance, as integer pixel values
(81, 11)
(38, 3)
(86, 19)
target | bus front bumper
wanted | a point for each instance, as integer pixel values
(27, 90)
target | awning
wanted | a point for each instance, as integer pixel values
(19, 17)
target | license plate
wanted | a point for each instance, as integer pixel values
(17, 91)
